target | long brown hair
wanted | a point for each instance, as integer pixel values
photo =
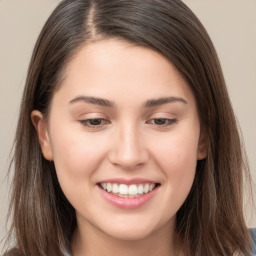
(211, 220)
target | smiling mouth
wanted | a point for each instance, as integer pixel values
(128, 191)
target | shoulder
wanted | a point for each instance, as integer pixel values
(253, 234)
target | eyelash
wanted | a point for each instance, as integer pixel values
(88, 122)
(101, 122)
(165, 122)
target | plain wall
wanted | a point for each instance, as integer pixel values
(230, 23)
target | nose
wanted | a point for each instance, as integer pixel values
(128, 150)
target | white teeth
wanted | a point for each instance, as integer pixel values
(124, 190)
(146, 188)
(151, 186)
(115, 188)
(109, 187)
(140, 189)
(133, 190)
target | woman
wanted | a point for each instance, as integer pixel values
(127, 143)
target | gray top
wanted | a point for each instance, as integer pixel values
(253, 233)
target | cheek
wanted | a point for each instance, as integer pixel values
(178, 151)
(76, 158)
(177, 158)
(76, 155)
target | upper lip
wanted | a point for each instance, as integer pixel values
(128, 181)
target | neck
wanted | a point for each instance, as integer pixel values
(90, 241)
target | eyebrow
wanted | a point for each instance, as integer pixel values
(161, 101)
(107, 103)
(93, 100)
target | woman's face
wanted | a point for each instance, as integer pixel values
(124, 134)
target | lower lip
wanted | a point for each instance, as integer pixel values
(125, 202)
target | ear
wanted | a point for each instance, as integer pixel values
(202, 149)
(42, 133)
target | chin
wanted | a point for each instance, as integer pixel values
(130, 232)
(129, 235)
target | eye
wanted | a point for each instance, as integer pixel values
(162, 121)
(94, 122)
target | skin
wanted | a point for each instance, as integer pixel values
(161, 143)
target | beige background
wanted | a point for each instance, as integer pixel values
(230, 23)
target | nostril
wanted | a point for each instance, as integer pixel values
(128, 161)
(128, 152)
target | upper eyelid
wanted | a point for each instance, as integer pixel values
(93, 115)
(109, 119)
(109, 116)
(153, 113)
(163, 115)
(163, 118)
(93, 118)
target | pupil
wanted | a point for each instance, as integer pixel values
(95, 121)
(160, 121)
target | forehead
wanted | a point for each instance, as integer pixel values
(112, 68)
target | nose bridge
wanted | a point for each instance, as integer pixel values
(129, 149)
